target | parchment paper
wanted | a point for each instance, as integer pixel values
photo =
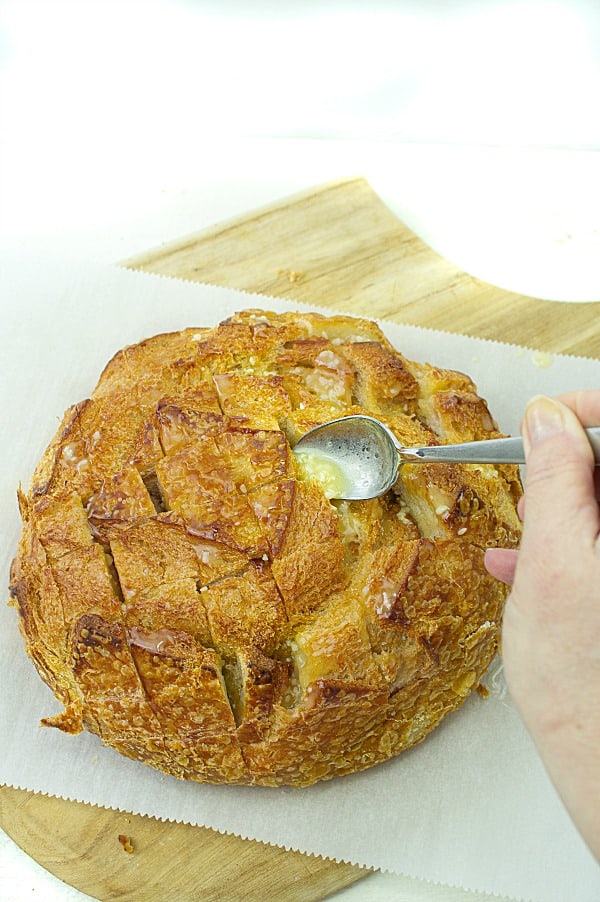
(470, 807)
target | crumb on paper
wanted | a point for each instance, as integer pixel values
(126, 843)
(541, 359)
(292, 275)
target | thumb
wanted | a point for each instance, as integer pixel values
(559, 484)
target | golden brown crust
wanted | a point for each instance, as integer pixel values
(194, 600)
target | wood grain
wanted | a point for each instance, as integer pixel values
(336, 246)
(80, 844)
(339, 246)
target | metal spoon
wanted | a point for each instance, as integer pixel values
(363, 456)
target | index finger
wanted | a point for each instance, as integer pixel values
(584, 404)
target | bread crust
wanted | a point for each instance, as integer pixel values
(195, 601)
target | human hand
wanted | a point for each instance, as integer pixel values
(551, 628)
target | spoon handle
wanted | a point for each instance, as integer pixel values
(492, 451)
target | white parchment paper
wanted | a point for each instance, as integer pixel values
(470, 807)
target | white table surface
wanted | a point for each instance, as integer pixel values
(126, 125)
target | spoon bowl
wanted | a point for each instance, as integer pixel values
(357, 454)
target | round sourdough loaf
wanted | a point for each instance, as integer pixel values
(194, 599)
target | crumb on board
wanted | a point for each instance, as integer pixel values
(291, 275)
(126, 843)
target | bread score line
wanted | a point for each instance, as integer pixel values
(192, 596)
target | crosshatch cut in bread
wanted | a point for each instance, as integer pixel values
(192, 596)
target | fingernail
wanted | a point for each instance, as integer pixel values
(543, 419)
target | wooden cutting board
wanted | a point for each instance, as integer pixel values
(335, 246)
